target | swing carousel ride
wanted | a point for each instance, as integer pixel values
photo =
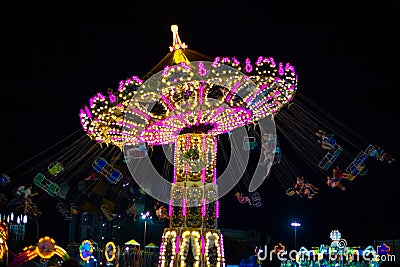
(189, 110)
(187, 104)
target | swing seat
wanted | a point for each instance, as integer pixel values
(45, 184)
(270, 141)
(55, 168)
(114, 176)
(38, 179)
(3, 199)
(33, 209)
(136, 152)
(331, 140)
(371, 151)
(99, 164)
(357, 166)
(255, 198)
(277, 156)
(4, 179)
(102, 167)
(290, 192)
(363, 171)
(64, 210)
(107, 213)
(64, 188)
(330, 158)
(249, 143)
(53, 189)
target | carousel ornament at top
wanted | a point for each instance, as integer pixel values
(187, 100)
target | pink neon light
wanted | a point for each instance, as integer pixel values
(178, 241)
(165, 70)
(203, 172)
(201, 92)
(128, 81)
(184, 206)
(280, 70)
(180, 118)
(259, 60)
(170, 208)
(166, 100)
(202, 69)
(203, 208)
(216, 114)
(174, 178)
(221, 247)
(81, 114)
(202, 245)
(112, 97)
(235, 61)
(185, 66)
(91, 102)
(101, 96)
(233, 91)
(117, 138)
(137, 79)
(187, 148)
(290, 67)
(225, 59)
(217, 209)
(199, 116)
(88, 113)
(262, 87)
(272, 61)
(216, 61)
(248, 68)
(215, 162)
(121, 85)
(187, 142)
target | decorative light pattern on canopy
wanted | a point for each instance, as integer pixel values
(210, 97)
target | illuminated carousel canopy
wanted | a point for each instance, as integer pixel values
(189, 94)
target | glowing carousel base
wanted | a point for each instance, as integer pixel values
(191, 247)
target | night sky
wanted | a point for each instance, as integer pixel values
(345, 56)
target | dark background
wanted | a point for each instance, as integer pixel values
(345, 56)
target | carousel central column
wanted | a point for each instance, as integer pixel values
(192, 238)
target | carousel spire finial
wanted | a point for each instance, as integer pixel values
(176, 41)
